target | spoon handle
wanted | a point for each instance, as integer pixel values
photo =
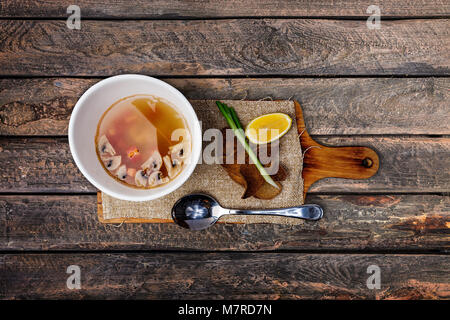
(307, 211)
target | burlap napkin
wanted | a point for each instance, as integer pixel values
(213, 180)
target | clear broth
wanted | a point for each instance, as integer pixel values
(136, 127)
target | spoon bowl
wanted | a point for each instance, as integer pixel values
(196, 211)
(200, 211)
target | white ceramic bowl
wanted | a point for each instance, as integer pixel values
(87, 113)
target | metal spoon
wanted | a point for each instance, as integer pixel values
(200, 211)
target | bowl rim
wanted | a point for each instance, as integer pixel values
(161, 191)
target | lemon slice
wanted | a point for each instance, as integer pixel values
(268, 128)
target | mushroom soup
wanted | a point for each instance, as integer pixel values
(142, 141)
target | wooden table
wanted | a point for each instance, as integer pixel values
(386, 88)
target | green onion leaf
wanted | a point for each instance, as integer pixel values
(234, 123)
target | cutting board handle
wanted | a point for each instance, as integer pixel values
(321, 162)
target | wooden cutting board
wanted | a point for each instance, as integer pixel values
(319, 162)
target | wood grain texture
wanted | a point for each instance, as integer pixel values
(408, 164)
(404, 163)
(299, 47)
(351, 222)
(391, 222)
(223, 276)
(331, 106)
(320, 162)
(221, 8)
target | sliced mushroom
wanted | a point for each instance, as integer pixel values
(180, 151)
(154, 162)
(156, 178)
(122, 172)
(112, 163)
(141, 178)
(173, 166)
(104, 147)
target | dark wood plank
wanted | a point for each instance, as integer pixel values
(351, 222)
(223, 276)
(221, 8)
(408, 164)
(225, 47)
(331, 106)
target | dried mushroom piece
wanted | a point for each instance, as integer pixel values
(180, 151)
(104, 147)
(248, 176)
(253, 180)
(156, 178)
(267, 191)
(112, 163)
(153, 163)
(122, 172)
(141, 178)
(173, 166)
(281, 174)
(256, 186)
